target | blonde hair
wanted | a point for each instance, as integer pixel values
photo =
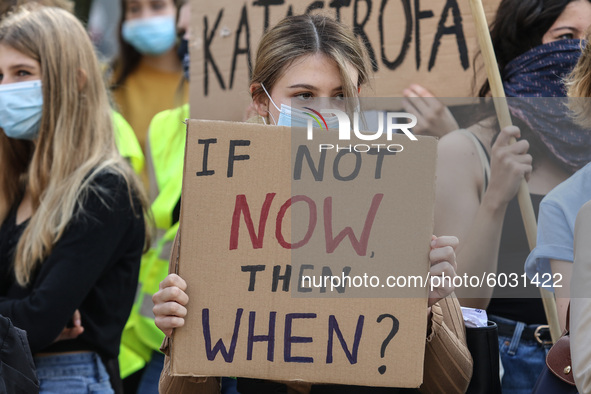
(76, 138)
(7, 5)
(304, 35)
(578, 85)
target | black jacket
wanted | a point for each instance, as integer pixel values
(17, 369)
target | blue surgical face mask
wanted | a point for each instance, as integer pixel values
(21, 107)
(150, 36)
(294, 117)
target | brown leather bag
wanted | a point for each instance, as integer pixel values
(558, 359)
(558, 376)
(559, 362)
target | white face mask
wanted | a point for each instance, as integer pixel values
(21, 107)
(294, 117)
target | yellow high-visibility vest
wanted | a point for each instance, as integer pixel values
(141, 337)
(127, 143)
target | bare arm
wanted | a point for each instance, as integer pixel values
(434, 118)
(562, 294)
(459, 210)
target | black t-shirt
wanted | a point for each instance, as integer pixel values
(94, 268)
(516, 303)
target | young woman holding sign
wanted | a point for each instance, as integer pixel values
(72, 226)
(313, 56)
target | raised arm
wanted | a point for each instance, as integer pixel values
(433, 117)
(477, 220)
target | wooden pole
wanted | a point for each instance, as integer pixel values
(502, 110)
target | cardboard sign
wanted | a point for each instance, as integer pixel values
(262, 208)
(431, 42)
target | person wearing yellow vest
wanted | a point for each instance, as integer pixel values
(165, 152)
(141, 338)
(164, 147)
(127, 143)
(147, 75)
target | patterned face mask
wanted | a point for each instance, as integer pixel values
(536, 80)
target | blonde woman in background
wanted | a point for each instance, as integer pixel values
(571, 237)
(71, 209)
(553, 254)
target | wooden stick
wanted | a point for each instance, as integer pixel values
(502, 110)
